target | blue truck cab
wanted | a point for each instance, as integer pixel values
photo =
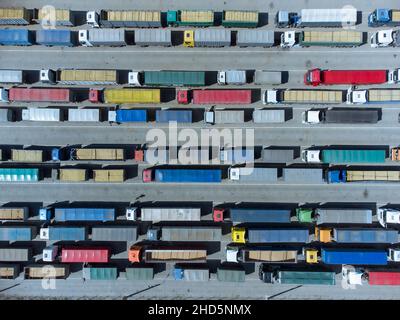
(178, 273)
(336, 176)
(45, 214)
(383, 17)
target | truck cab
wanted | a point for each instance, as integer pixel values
(50, 253)
(356, 96)
(394, 76)
(83, 38)
(44, 234)
(305, 215)
(48, 76)
(323, 234)
(270, 96)
(234, 174)
(353, 276)
(95, 95)
(218, 214)
(209, 117)
(386, 216)
(3, 95)
(312, 116)
(394, 254)
(135, 254)
(285, 19)
(147, 175)
(183, 96)
(92, 19)
(265, 274)
(232, 254)
(188, 38)
(45, 214)
(56, 154)
(383, 38)
(135, 78)
(131, 213)
(288, 39)
(311, 156)
(153, 234)
(313, 77)
(238, 234)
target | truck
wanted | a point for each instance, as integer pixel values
(72, 175)
(260, 254)
(153, 37)
(138, 253)
(99, 273)
(102, 37)
(62, 17)
(237, 156)
(334, 216)
(122, 96)
(303, 175)
(84, 254)
(26, 155)
(54, 37)
(328, 17)
(356, 235)
(213, 38)
(109, 175)
(183, 175)
(140, 273)
(281, 155)
(373, 96)
(388, 216)
(84, 115)
(234, 77)
(97, 154)
(60, 233)
(114, 233)
(46, 271)
(195, 18)
(275, 235)
(9, 271)
(269, 116)
(14, 16)
(255, 38)
(40, 95)
(344, 176)
(341, 115)
(80, 76)
(6, 115)
(239, 19)
(186, 234)
(344, 156)
(252, 215)
(163, 214)
(253, 175)
(12, 234)
(127, 115)
(191, 274)
(12, 76)
(300, 277)
(385, 38)
(335, 256)
(316, 77)
(84, 214)
(168, 78)
(179, 116)
(262, 77)
(223, 116)
(358, 275)
(231, 275)
(211, 96)
(14, 213)
(343, 38)
(15, 254)
(300, 96)
(384, 17)
(42, 114)
(124, 18)
(16, 37)
(19, 174)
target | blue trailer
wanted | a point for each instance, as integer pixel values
(84, 214)
(131, 115)
(365, 235)
(354, 256)
(384, 17)
(188, 175)
(63, 233)
(16, 37)
(54, 37)
(260, 215)
(180, 116)
(17, 233)
(278, 235)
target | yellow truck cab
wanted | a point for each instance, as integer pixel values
(323, 234)
(311, 255)
(188, 38)
(238, 235)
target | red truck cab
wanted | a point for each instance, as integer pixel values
(313, 77)
(218, 214)
(95, 95)
(139, 155)
(183, 96)
(135, 254)
(147, 175)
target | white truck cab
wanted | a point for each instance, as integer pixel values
(394, 76)
(382, 38)
(83, 38)
(209, 117)
(356, 96)
(44, 233)
(47, 75)
(134, 78)
(234, 174)
(386, 216)
(311, 156)
(92, 19)
(352, 275)
(231, 254)
(288, 39)
(312, 116)
(3, 95)
(50, 253)
(221, 78)
(270, 96)
(131, 213)
(394, 254)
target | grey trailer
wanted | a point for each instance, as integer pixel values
(212, 38)
(146, 273)
(269, 115)
(351, 116)
(277, 155)
(11, 76)
(153, 37)
(337, 215)
(196, 274)
(191, 233)
(114, 233)
(253, 175)
(6, 115)
(15, 254)
(221, 116)
(302, 175)
(255, 38)
(231, 275)
(102, 37)
(267, 77)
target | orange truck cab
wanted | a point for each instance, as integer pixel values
(218, 214)
(139, 155)
(135, 254)
(147, 175)
(395, 154)
(323, 234)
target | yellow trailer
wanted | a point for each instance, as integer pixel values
(312, 96)
(133, 15)
(26, 155)
(383, 95)
(9, 271)
(194, 16)
(363, 175)
(63, 17)
(132, 96)
(88, 77)
(97, 154)
(109, 175)
(73, 175)
(14, 213)
(46, 271)
(331, 38)
(241, 19)
(14, 16)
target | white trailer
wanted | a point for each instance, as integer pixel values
(83, 115)
(41, 114)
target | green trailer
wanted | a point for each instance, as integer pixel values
(353, 156)
(139, 273)
(19, 174)
(305, 277)
(304, 215)
(175, 78)
(231, 275)
(194, 18)
(240, 19)
(344, 38)
(100, 273)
